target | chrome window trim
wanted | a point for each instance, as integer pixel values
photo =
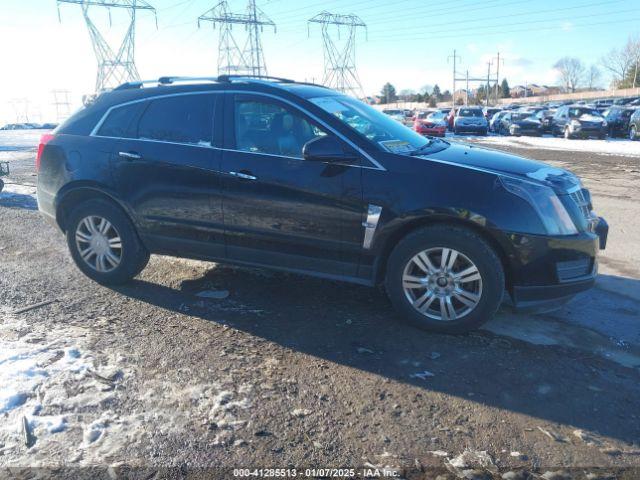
(94, 132)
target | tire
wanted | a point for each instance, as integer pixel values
(633, 134)
(132, 255)
(470, 247)
(1, 185)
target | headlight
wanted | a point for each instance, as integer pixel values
(545, 202)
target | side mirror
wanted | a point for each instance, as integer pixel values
(327, 149)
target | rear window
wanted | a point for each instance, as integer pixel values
(470, 112)
(118, 122)
(179, 119)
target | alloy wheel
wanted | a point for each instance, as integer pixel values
(99, 243)
(442, 284)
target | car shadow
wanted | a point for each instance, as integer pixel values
(18, 200)
(356, 326)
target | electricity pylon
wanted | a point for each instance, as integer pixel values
(232, 59)
(340, 58)
(62, 104)
(113, 68)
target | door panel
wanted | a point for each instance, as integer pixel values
(285, 211)
(174, 188)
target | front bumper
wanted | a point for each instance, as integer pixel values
(470, 128)
(434, 132)
(547, 271)
(588, 131)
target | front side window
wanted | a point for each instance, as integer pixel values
(377, 127)
(179, 119)
(266, 127)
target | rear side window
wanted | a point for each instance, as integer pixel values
(179, 119)
(118, 122)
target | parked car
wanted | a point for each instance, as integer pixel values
(617, 119)
(576, 121)
(470, 120)
(489, 112)
(625, 100)
(520, 123)
(545, 116)
(397, 115)
(634, 125)
(431, 123)
(495, 120)
(304, 179)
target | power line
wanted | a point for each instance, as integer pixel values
(484, 28)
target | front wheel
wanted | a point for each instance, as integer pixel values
(445, 279)
(567, 133)
(104, 243)
(632, 133)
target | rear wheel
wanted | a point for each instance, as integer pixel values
(104, 244)
(445, 279)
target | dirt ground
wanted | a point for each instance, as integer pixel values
(291, 372)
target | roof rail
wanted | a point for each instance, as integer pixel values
(169, 80)
(229, 78)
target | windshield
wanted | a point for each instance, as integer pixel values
(436, 116)
(470, 112)
(578, 112)
(377, 127)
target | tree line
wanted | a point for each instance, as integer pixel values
(433, 94)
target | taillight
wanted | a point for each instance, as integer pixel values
(46, 138)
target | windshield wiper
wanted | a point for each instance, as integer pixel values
(424, 147)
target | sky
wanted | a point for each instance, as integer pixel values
(407, 42)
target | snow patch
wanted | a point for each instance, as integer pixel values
(616, 147)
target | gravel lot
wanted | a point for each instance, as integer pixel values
(288, 371)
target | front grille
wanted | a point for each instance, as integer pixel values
(573, 269)
(582, 199)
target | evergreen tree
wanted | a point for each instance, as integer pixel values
(505, 92)
(436, 93)
(388, 93)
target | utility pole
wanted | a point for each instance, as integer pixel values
(113, 68)
(498, 60)
(453, 93)
(340, 60)
(232, 59)
(466, 92)
(488, 90)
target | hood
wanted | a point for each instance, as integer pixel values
(505, 163)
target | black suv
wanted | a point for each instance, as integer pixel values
(578, 121)
(297, 177)
(618, 120)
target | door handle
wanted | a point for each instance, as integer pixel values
(242, 175)
(130, 155)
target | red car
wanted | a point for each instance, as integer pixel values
(430, 123)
